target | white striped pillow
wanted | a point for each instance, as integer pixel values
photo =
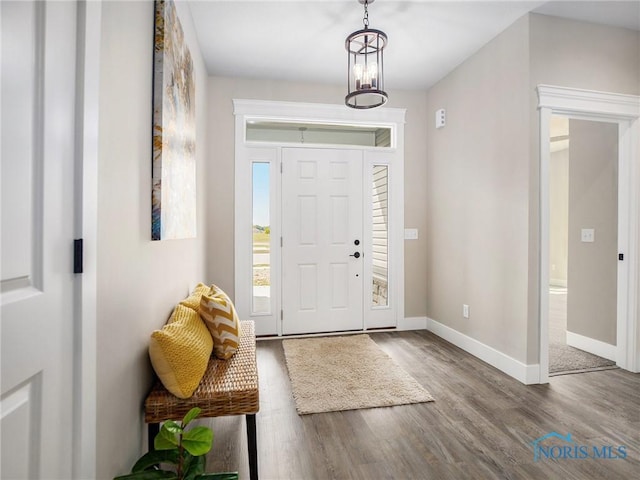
(219, 314)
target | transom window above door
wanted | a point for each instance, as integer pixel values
(259, 130)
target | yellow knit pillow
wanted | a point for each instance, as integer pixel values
(221, 319)
(180, 351)
(193, 300)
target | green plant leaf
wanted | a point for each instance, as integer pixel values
(165, 440)
(218, 476)
(195, 468)
(155, 457)
(149, 475)
(191, 415)
(172, 426)
(187, 458)
(198, 440)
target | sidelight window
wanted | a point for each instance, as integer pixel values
(380, 236)
(261, 231)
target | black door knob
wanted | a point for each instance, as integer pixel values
(357, 255)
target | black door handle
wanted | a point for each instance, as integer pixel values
(357, 255)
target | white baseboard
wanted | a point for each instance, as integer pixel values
(412, 323)
(527, 374)
(596, 347)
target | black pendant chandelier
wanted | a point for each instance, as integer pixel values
(365, 50)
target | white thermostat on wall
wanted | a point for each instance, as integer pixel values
(440, 118)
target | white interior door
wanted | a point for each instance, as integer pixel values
(38, 94)
(322, 274)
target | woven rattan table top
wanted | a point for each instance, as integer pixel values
(229, 387)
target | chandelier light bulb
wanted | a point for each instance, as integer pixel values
(372, 75)
(358, 70)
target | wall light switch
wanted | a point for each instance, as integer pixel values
(410, 233)
(588, 235)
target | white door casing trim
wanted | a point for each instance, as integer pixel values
(247, 152)
(86, 227)
(316, 112)
(574, 100)
(378, 317)
(243, 243)
(625, 111)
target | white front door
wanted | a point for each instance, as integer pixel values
(322, 262)
(38, 75)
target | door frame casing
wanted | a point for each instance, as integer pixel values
(248, 152)
(84, 441)
(623, 110)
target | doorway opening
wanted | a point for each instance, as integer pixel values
(583, 245)
(623, 111)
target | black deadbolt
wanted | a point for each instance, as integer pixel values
(357, 242)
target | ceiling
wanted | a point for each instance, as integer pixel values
(303, 40)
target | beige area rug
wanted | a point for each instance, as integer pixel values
(330, 374)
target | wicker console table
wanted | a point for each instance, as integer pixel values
(229, 387)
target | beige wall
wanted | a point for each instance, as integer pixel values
(482, 178)
(593, 203)
(220, 213)
(477, 204)
(573, 54)
(139, 281)
(584, 55)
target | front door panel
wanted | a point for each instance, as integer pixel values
(321, 222)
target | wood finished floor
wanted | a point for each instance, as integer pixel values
(479, 427)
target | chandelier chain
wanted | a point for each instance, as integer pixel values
(365, 20)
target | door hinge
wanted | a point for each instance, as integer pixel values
(621, 256)
(77, 255)
(281, 315)
(280, 167)
(281, 244)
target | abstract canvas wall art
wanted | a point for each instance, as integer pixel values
(174, 130)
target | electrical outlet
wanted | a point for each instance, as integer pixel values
(465, 310)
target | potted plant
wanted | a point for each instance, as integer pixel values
(183, 451)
